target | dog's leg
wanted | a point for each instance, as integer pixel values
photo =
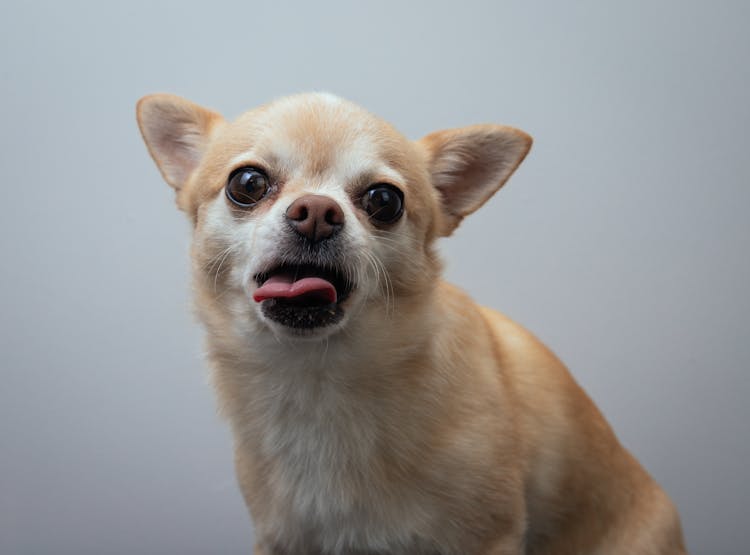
(655, 528)
(507, 546)
(510, 543)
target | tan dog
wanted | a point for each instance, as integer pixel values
(375, 408)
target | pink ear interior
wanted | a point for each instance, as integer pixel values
(468, 165)
(176, 132)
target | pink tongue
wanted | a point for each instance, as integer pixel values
(284, 286)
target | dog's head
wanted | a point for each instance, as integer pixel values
(309, 213)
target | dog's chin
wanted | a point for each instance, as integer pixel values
(303, 322)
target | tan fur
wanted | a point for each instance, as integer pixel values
(424, 424)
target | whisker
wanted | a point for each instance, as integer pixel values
(227, 252)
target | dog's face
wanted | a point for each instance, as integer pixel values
(310, 213)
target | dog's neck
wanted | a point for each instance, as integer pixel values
(250, 362)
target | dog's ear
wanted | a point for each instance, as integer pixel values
(468, 165)
(176, 132)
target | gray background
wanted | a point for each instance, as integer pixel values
(622, 241)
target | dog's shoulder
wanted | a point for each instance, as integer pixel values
(515, 344)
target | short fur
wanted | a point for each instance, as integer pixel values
(421, 423)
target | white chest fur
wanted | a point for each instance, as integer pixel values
(330, 483)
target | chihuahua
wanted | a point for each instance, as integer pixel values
(375, 408)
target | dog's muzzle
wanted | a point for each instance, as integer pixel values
(303, 296)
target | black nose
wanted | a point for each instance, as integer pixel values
(315, 217)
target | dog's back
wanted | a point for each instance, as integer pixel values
(585, 493)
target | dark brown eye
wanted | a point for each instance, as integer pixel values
(246, 186)
(383, 202)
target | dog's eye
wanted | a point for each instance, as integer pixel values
(383, 202)
(246, 186)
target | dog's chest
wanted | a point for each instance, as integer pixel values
(329, 480)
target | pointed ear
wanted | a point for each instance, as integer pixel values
(468, 165)
(176, 132)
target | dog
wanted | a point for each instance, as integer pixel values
(375, 408)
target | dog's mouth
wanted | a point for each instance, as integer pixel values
(302, 296)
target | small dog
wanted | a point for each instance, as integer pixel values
(375, 408)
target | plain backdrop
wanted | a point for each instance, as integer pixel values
(623, 241)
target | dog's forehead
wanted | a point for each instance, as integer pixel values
(319, 133)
